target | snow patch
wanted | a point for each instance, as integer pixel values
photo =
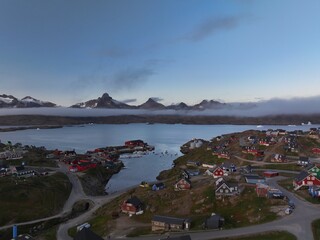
(31, 100)
(6, 100)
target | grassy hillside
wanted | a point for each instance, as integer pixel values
(32, 198)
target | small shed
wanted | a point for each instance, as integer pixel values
(215, 221)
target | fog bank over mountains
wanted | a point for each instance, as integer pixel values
(303, 106)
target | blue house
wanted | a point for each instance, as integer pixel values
(157, 186)
(314, 191)
(193, 172)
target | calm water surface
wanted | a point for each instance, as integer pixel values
(165, 137)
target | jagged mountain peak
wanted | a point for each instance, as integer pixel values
(105, 101)
(9, 101)
(209, 104)
(151, 104)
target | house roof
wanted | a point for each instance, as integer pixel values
(134, 201)
(217, 168)
(20, 168)
(302, 175)
(86, 234)
(169, 220)
(310, 166)
(213, 221)
(247, 168)
(3, 166)
(24, 237)
(186, 179)
(228, 165)
(253, 176)
(228, 184)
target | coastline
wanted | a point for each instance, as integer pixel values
(36, 121)
(11, 129)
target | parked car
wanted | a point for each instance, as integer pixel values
(291, 204)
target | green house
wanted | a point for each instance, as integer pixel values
(314, 170)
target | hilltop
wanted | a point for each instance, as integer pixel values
(203, 197)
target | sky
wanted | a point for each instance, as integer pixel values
(172, 50)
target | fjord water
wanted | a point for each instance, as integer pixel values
(167, 139)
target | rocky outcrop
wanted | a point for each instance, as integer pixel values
(94, 180)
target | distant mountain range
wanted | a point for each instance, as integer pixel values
(106, 101)
(9, 101)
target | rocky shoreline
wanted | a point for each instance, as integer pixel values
(95, 180)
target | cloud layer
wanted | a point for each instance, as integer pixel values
(130, 78)
(212, 26)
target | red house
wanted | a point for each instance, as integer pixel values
(262, 190)
(316, 150)
(82, 165)
(305, 179)
(224, 155)
(183, 184)
(218, 172)
(264, 142)
(253, 151)
(132, 205)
